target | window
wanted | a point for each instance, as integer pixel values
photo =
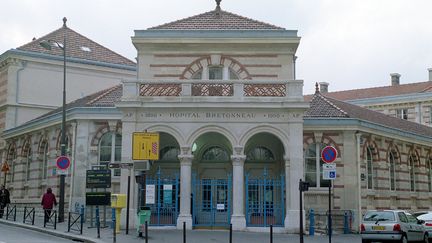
(44, 160)
(411, 167)
(232, 75)
(260, 153)
(313, 166)
(392, 169)
(169, 153)
(379, 215)
(215, 153)
(429, 173)
(110, 150)
(369, 168)
(11, 159)
(402, 114)
(215, 72)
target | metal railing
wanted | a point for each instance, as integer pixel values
(76, 221)
(11, 212)
(29, 215)
(50, 218)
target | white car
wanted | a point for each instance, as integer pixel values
(392, 225)
(427, 218)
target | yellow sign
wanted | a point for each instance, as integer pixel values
(5, 167)
(145, 146)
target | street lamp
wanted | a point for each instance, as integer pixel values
(47, 44)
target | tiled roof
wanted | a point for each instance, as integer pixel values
(394, 90)
(213, 21)
(326, 107)
(77, 46)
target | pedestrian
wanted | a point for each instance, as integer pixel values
(48, 202)
(4, 199)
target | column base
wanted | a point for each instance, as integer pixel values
(292, 221)
(184, 218)
(238, 222)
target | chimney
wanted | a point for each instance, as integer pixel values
(430, 74)
(395, 78)
(324, 87)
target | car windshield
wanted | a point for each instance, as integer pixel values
(426, 216)
(379, 216)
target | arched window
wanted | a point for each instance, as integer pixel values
(429, 172)
(369, 168)
(11, 159)
(169, 153)
(216, 73)
(313, 166)
(392, 168)
(44, 159)
(260, 153)
(411, 167)
(28, 162)
(110, 150)
(215, 153)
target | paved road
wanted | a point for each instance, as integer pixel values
(10, 234)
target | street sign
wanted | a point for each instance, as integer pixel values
(329, 171)
(120, 165)
(5, 167)
(329, 154)
(63, 163)
(98, 179)
(98, 198)
(145, 146)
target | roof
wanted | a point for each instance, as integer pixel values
(325, 107)
(77, 46)
(393, 90)
(216, 20)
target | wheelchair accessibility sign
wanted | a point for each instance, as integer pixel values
(329, 171)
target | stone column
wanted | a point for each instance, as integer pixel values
(293, 172)
(185, 191)
(238, 219)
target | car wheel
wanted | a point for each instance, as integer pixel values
(403, 239)
(426, 238)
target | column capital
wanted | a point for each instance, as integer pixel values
(287, 161)
(238, 160)
(185, 159)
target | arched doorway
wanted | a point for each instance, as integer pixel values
(212, 181)
(264, 180)
(163, 181)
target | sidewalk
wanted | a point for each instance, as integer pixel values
(170, 235)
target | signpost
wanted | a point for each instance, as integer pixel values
(329, 155)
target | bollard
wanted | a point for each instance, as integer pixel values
(346, 229)
(146, 232)
(33, 218)
(114, 224)
(45, 221)
(7, 212)
(230, 234)
(271, 233)
(14, 213)
(311, 222)
(55, 219)
(69, 219)
(81, 219)
(97, 222)
(184, 232)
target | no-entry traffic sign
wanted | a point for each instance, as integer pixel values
(63, 162)
(329, 154)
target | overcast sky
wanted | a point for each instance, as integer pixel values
(348, 43)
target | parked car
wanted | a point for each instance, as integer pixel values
(427, 218)
(392, 225)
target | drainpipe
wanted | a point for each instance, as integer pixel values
(72, 178)
(294, 66)
(358, 136)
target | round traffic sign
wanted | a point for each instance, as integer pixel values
(63, 162)
(329, 154)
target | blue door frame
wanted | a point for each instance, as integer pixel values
(211, 202)
(265, 201)
(165, 210)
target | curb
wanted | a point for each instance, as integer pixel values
(52, 232)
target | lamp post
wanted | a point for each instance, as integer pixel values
(47, 45)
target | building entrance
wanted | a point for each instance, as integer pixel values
(212, 202)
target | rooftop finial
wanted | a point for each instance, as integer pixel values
(218, 2)
(316, 88)
(64, 21)
(218, 9)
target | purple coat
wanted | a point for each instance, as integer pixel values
(48, 200)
